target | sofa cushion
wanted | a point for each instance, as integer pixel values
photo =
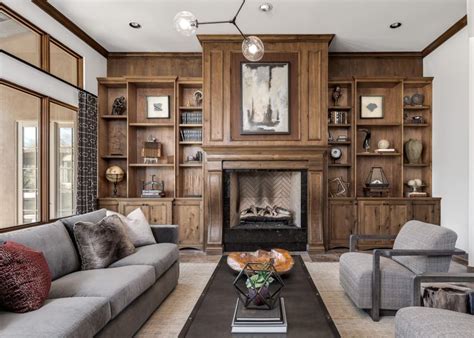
(120, 286)
(100, 244)
(418, 235)
(137, 227)
(51, 239)
(355, 275)
(422, 322)
(160, 256)
(63, 317)
(26, 279)
(93, 217)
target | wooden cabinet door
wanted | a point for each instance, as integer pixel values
(371, 217)
(127, 207)
(112, 205)
(160, 212)
(427, 211)
(397, 213)
(341, 223)
(188, 215)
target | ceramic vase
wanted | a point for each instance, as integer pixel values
(413, 150)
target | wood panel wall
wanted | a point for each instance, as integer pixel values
(154, 64)
(348, 65)
(219, 74)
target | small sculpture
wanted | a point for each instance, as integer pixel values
(336, 94)
(417, 99)
(119, 106)
(366, 143)
(383, 144)
(198, 95)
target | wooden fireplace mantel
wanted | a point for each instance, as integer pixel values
(308, 158)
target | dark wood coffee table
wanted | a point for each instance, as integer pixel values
(307, 315)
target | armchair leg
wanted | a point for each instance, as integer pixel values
(376, 292)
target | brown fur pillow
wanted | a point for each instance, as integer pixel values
(103, 243)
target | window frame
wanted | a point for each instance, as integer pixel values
(44, 155)
(46, 39)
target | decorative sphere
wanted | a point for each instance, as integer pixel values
(411, 183)
(383, 144)
(418, 182)
(114, 174)
(252, 48)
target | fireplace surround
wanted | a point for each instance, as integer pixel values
(264, 209)
(302, 165)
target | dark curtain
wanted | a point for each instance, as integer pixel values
(87, 154)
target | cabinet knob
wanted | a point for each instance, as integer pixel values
(155, 220)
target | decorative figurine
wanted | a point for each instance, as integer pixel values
(366, 143)
(336, 94)
(119, 106)
(197, 96)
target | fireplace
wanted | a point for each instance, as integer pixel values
(264, 208)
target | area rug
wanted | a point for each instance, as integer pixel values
(350, 321)
(171, 316)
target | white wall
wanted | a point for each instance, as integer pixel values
(449, 64)
(470, 13)
(95, 65)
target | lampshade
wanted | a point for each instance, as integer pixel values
(185, 23)
(252, 48)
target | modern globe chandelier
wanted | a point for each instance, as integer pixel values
(252, 47)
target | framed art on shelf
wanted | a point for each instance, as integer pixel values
(265, 98)
(371, 107)
(158, 107)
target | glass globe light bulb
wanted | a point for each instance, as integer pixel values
(185, 23)
(252, 48)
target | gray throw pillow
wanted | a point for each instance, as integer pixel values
(103, 243)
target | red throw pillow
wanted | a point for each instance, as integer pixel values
(25, 278)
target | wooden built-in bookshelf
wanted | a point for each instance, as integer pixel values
(182, 178)
(354, 212)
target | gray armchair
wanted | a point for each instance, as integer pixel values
(383, 280)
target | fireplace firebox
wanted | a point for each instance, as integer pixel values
(264, 209)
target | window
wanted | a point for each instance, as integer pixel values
(35, 130)
(24, 40)
(28, 173)
(20, 40)
(20, 113)
(62, 160)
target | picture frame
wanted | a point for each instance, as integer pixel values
(371, 107)
(265, 98)
(158, 107)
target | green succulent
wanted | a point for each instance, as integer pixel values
(261, 278)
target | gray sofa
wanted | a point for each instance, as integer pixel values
(111, 302)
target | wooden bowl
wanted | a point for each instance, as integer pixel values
(282, 260)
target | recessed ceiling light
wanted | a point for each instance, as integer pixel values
(395, 25)
(265, 7)
(135, 25)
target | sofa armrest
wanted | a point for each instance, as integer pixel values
(165, 233)
(353, 239)
(436, 277)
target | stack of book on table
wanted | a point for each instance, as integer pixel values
(259, 320)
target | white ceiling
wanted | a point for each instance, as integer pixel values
(359, 25)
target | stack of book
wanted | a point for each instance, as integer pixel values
(194, 117)
(191, 135)
(384, 151)
(259, 320)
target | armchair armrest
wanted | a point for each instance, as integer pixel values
(437, 277)
(353, 239)
(165, 233)
(389, 253)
